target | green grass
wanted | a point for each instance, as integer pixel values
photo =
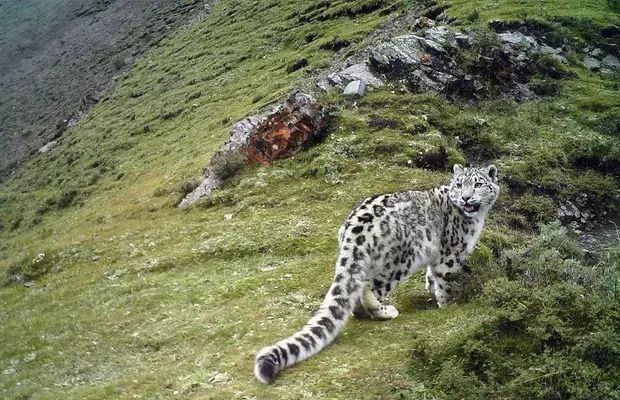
(137, 299)
(598, 12)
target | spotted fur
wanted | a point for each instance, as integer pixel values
(382, 242)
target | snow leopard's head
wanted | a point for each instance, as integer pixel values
(474, 189)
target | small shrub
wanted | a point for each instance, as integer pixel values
(118, 63)
(310, 37)
(473, 16)
(66, 198)
(94, 178)
(193, 96)
(217, 198)
(545, 87)
(551, 329)
(485, 58)
(187, 187)
(16, 223)
(297, 65)
(226, 165)
(29, 268)
(170, 114)
(335, 44)
(434, 159)
(532, 210)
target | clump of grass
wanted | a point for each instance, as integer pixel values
(66, 198)
(297, 65)
(118, 63)
(29, 268)
(226, 165)
(553, 256)
(335, 44)
(529, 211)
(473, 16)
(484, 58)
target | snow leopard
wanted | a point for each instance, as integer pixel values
(382, 242)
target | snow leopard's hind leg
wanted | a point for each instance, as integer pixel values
(375, 308)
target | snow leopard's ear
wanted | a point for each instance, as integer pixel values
(491, 172)
(457, 169)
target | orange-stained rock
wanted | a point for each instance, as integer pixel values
(296, 124)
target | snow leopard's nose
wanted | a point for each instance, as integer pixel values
(466, 198)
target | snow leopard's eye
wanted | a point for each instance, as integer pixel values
(459, 185)
(477, 185)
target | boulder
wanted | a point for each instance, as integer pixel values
(355, 88)
(48, 147)
(398, 55)
(443, 36)
(296, 124)
(611, 62)
(429, 60)
(264, 138)
(591, 63)
(358, 71)
(517, 39)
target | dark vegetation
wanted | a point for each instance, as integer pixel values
(552, 329)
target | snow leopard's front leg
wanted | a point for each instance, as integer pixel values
(430, 281)
(440, 278)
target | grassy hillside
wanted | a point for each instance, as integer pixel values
(133, 298)
(57, 58)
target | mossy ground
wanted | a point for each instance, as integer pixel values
(137, 299)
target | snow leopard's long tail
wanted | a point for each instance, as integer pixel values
(321, 329)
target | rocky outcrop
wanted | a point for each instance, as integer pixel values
(432, 59)
(296, 124)
(293, 125)
(598, 61)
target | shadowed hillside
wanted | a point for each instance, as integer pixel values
(58, 57)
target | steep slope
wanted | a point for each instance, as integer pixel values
(57, 58)
(110, 291)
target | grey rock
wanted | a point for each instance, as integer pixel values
(355, 88)
(431, 80)
(239, 135)
(517, 39)
(48, 147)
(359, 71)
(464, 41)
(398, 53)
(206, 186)
(591, 63)
(433, 46)
(611, 62)
(443, 36)
(596, 53)
(324, 84)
